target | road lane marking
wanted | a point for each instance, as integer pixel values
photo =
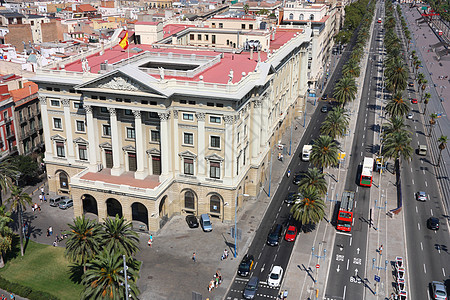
(423, 171)
(418, 225)
(443, 272)
(416, 210)
(345, 289)
(413, 181)
(426, 184)
(348, 262)
(344, 233)
(431, 210)
(421, 246)
(351, 239)
(424, 268)
(411, 170)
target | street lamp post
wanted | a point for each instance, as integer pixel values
(235, 222)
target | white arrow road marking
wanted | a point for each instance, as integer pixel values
(357, 251)
(337, 270)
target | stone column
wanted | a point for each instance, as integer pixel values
(115, 142)
(201, 143)
(140, 151)
(264, 120)
(90, 129)
(256, 128)
(165, 147)
(228, 120)
(303, 71)
(68, 125)
(45, 126)
(175, 141)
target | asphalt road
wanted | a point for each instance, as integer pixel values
(346, 278)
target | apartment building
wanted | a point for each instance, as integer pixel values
(163, 130)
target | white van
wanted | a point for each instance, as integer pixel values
(422, 150)
(306, 152)
(205, 222)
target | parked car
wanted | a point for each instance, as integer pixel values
(205, 222)
(324, 97)
(275, 276)
(65, 203)
(439, 292)
(422, 150)
(291, 233)
(410, 115)
(192, 221)
(411, 84)
(421, 196)
(274, 235)
(433, 223)
(324, 109)
(251, 288)
(413, 100)
(246, 265)
(54, 201)
(290, 198)
(296, 179)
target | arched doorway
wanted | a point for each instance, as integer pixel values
(63, 184)
(113, 208)
(139, 213)
(163, 218)
(89, 204)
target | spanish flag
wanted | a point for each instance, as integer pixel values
(124, 42)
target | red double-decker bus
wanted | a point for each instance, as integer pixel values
(345, 216)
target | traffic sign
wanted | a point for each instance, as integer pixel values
(317, 266)
(377, 278)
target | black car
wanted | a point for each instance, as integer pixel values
(192, 221)
(324, 97)
(324, 109)
(290, 198)
(433, 223)
(246, 265)
(274, 235)
(411, 84)
(296, 179)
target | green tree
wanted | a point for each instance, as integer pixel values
(397, 106)
(396, 75)
(6, 233)
(104, 278)
(335, 123)
(395, 124)
(324, 152)
(442, 145)
(433, 117)
(18, 201)
(246, 8)
(27, 167)
(118, 235)
(84, 240)
(397, 145)
(427, 97)
(419, 78)
(314, 178)
(311, 209)
(345, 90)
(423, 86)
(8, 172)
(351, 68)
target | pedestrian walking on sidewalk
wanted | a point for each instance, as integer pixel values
(50, 230)
(288, 173)
(150, 240)
(40, 198)
(42, 190)
(194, 258)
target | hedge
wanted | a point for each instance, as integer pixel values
(24, 291)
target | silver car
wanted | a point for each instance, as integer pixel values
(421, 196)
(251, 288)
(439, 292)
(66, 203)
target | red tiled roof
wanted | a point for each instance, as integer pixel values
(29, 88)
(146, 23)
(282, 36)
(127, 178)
(171, 29)
(85, 8)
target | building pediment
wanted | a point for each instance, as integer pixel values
(106, 145)
(153, 151)
(58, 137)
(187, 154)
(122, 81)
(80, 140)
(214, 157)
(129, 148)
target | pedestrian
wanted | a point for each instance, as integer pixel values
(216, 282)
(40, 197)
(289, 173)
(45, 199)
(281, 157)
(380, 249)
(12, 296)
(225, 254)
(39, 208)
(50, 230)
(194, 258)
(42, 190)
(150, 240)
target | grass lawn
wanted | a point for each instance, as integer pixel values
(42, 268)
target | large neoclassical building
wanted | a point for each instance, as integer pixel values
(162, 130)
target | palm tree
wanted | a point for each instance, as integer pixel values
(246, 8)
(423, 86)
(351, 68)
(345, 90)
(397, 145)
(18, 201)
(443, 144)
(397, 106)
(314, 178)
(417, 64)
(7, 171)
(420, 78)
(396, 74)
(396, 124)
(119, 235)
(335, 123)
(433, 117)
(311, 209)
(324, 152)
(104, 278)
(6, 233)
(425, 101)
(84, 240)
